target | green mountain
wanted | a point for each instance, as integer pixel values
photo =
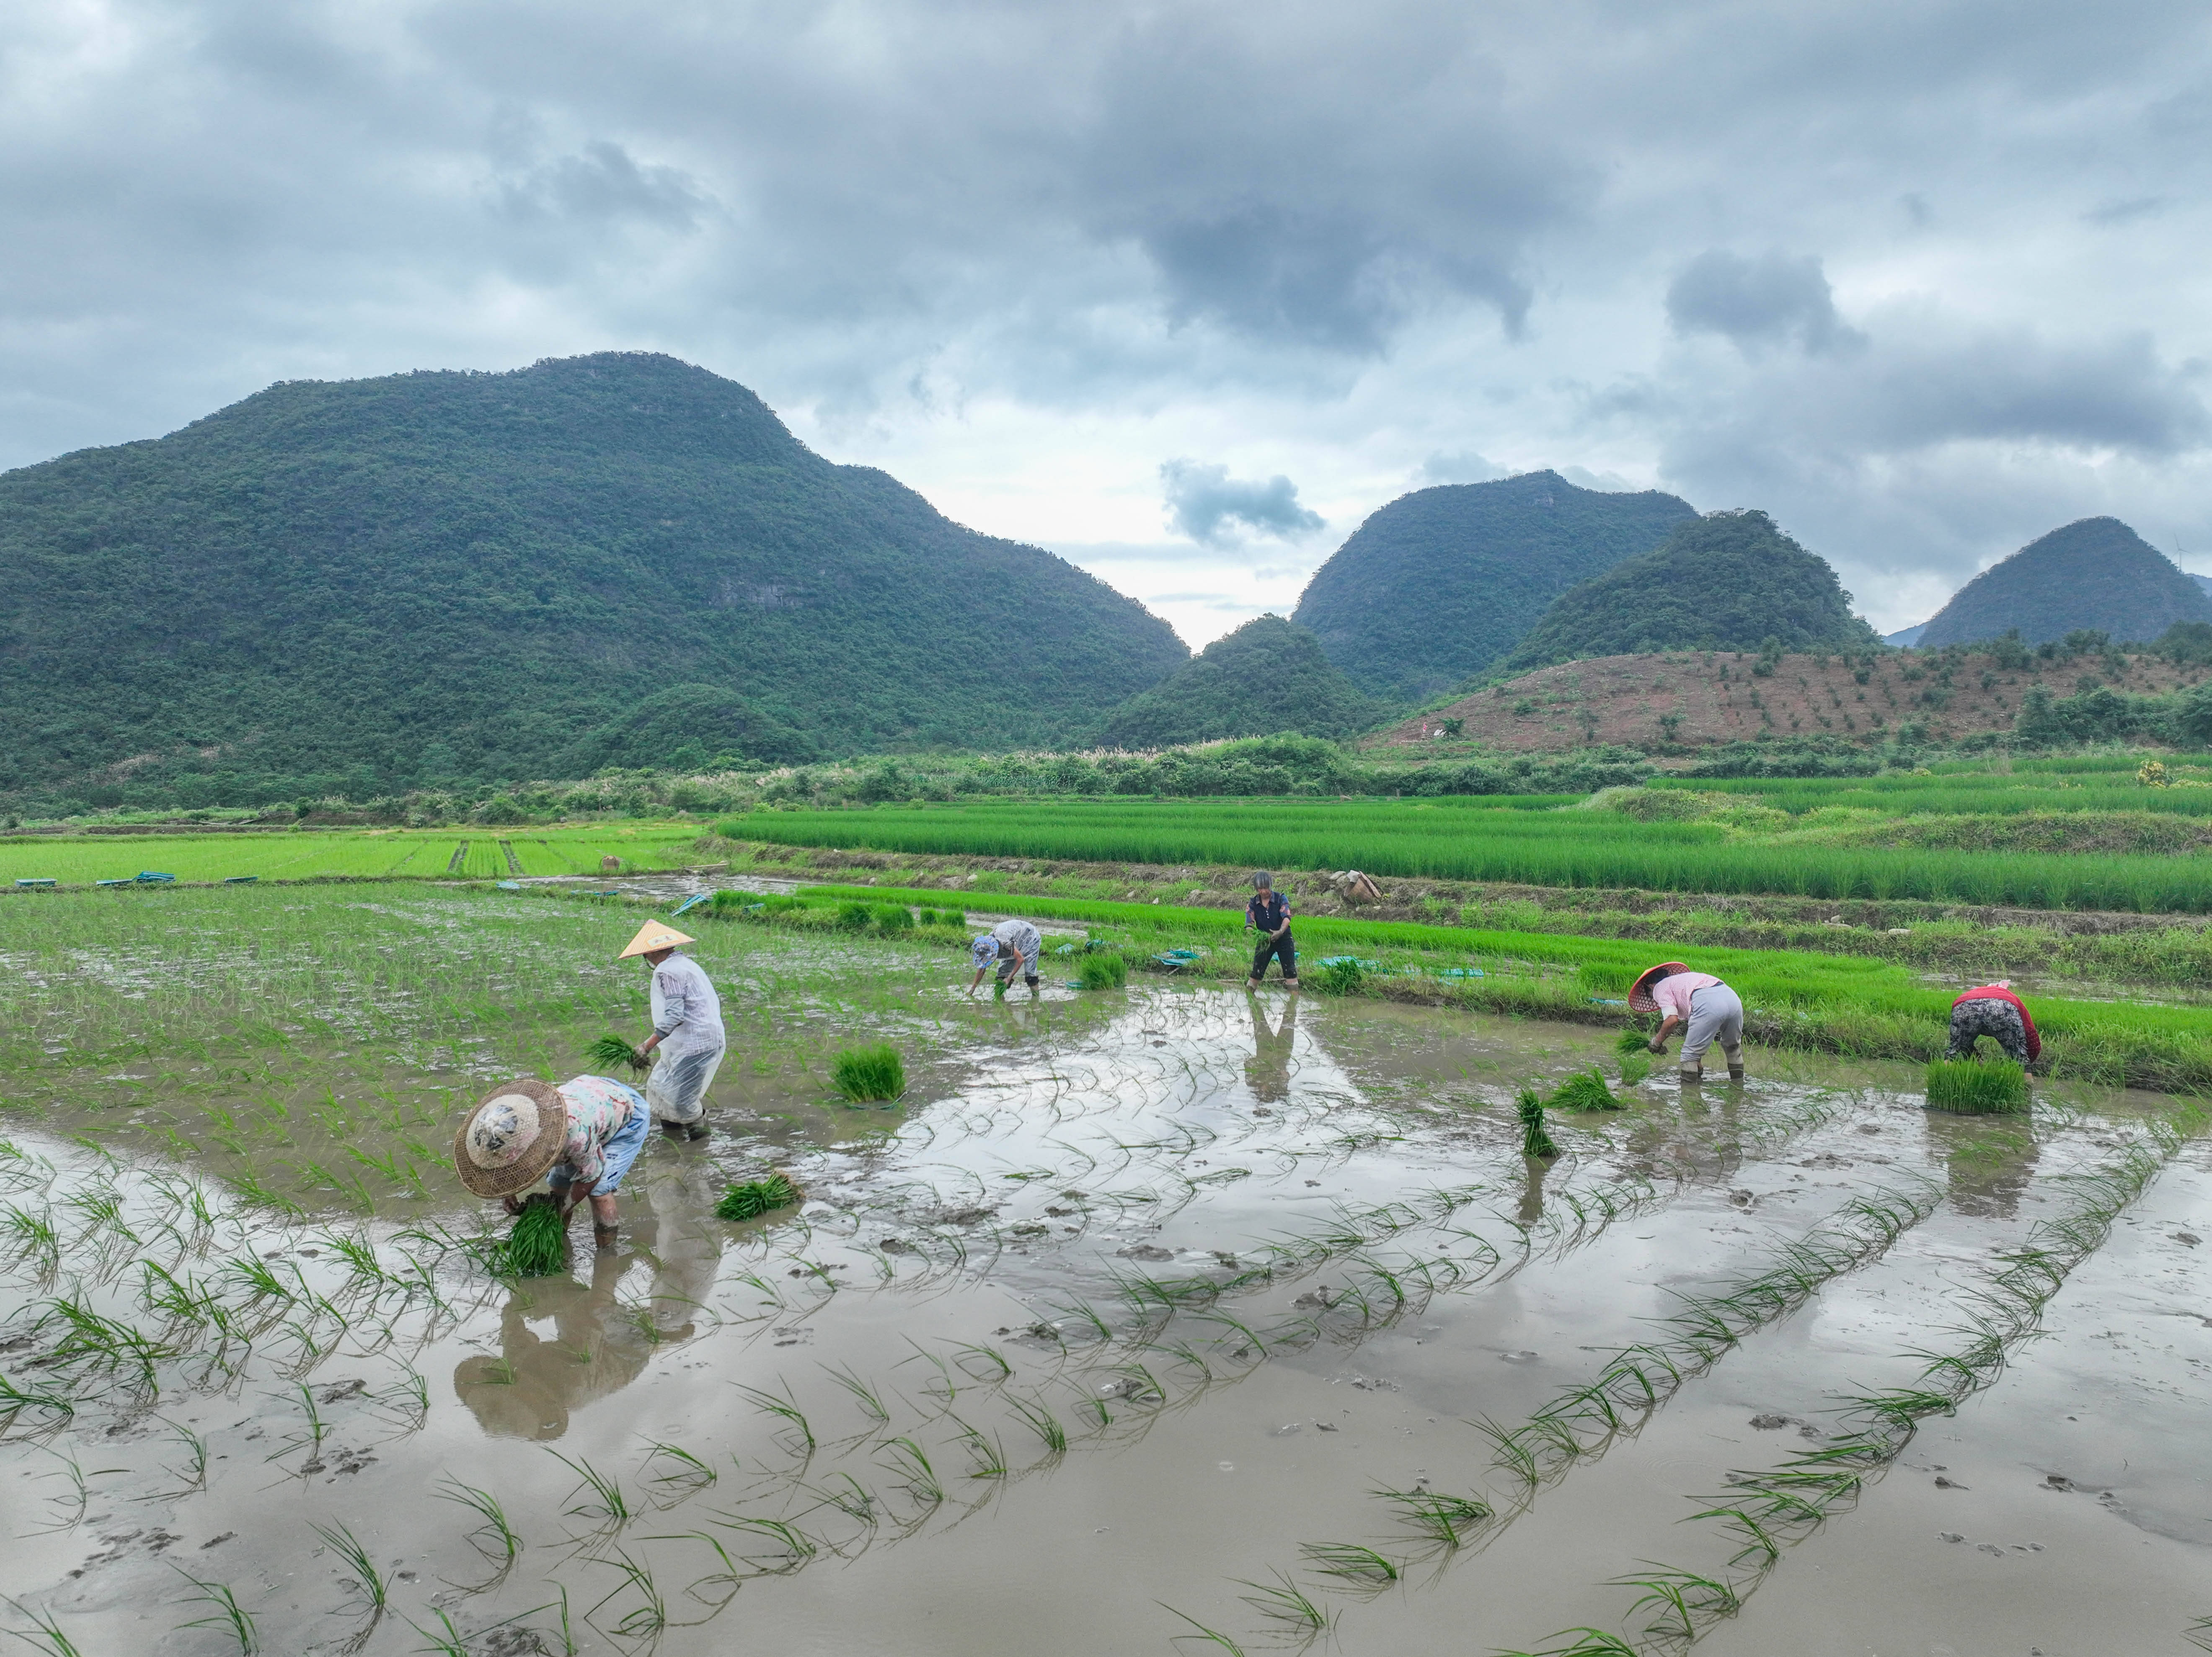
(1729, 580)
(610, 560)
(1267, 677)
(2097, 573)
(1440, 584)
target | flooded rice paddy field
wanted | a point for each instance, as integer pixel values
(1147, 1317)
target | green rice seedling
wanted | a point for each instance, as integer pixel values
(687, 1474)
(1584, 1091)
(794, 1546)
(607, 1501)
(1683, 1602)
(1582, 1642)
(1351, 1562)
(988, 1460)
(756, 1196)
(2199, 1634)
(194, 1472)
(48, 1633)
(1972, 1088)
(1042, 1421)
(504, 1540)
(787, 1410)
(228, 1613)
(651, 1617)
(371, 1583)
(537, 1244)
(869, 1075)
(1535, 1141)
(1443, 1520)
(908, 1461)
(1105, 970)
(58, 1409)
(1204, 1635)
(863, 1394)
(892, 918)
(69, 1508)
(1761, 1546)
(1634, 1067)
(1283, 1601)
(612, 1052)
(446, 1640)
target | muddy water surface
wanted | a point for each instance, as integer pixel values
(1143, 1313)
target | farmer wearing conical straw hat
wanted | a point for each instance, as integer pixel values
(1707, 1008)
(582, 1136)
(687, 1027)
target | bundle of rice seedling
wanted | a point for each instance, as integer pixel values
(609, 1051)
(893, 918)
(866, 1074)
(1974, 1088)
(1535, 1142)
(1632, 1040)
(1634, 1067)
(1340, 977)
(1584, 1091)
(1104, 970)
(743, 1202)
(538, 1245)
(854, 916)
(998, 989)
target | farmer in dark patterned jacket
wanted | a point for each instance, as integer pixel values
(1993, 1010)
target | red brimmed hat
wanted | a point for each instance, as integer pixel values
(1639, 992)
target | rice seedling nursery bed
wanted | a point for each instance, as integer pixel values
(1252, 1305)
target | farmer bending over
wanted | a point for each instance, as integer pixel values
(686, 1026)
(582, 1135)
(1269, 913)
(1008, 942)
(1993, 1010)
(1707, 1009)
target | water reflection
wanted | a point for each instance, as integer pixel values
(599, 1342)
(1531, 1188)
(1988, 1161)
(1267, 1072)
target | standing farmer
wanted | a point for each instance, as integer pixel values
(1993, 1010)
(1008, 942)
(686, 1026)
(1707, 1010)
(1269, 914)
(583, 1136)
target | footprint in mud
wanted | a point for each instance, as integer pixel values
(1146, 1252)
(1522, 1356)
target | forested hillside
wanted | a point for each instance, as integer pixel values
(1729, 580)
(2097, 573)
(1267, 677)
(1440, 584)
(611, 560)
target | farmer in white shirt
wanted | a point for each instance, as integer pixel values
(1008, 942)
(687, 1029)
(1706, 1009)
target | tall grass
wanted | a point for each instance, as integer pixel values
(1463, 840)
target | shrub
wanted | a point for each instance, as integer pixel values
(1971, 1087)
(866, 1074)
(1102, 969)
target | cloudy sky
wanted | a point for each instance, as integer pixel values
(1182, 291)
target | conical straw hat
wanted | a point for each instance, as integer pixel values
(1639, 992)
(516, 1132)
(653, 935)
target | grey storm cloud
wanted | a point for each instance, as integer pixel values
(1903, 276)
(1209, 506)
(1772, 300)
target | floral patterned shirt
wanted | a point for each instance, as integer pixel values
(599, 1109)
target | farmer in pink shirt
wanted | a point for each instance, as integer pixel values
(1707, 1009)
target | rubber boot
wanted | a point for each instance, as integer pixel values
(694, 1132)
(1692, 1078)
(1736, 1072)
(603, 1236)
(672, 1130)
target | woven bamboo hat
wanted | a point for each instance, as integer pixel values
(1639, 992)
(653, 935)
(513, 1135)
